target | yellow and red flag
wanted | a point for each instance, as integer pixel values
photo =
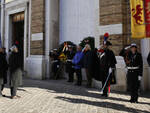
(147, 17)
(138, 27)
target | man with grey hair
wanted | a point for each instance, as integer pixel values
(88, 64)
(77, 61)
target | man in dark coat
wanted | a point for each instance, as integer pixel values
(135, 71)
(89, 64)
(3, 68)
(15, 71)
(107, 64)
(148, 59)
(69, 66)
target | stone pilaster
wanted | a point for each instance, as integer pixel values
(37, 27)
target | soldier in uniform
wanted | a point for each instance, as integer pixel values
(135, 70)
(107, 64)
(69, 66)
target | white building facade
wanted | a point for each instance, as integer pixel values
(47, 23)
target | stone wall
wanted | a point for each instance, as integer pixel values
(38, 26)
(110, 12)
(117, 12)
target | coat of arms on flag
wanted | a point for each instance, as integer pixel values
(138, 29)
(140, 18)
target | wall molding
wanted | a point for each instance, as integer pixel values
(111, 29)
(37, 37)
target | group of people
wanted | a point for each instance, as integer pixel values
(100, 64)
(13, 64)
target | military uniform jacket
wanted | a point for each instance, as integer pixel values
(135, 60)
(107, 60)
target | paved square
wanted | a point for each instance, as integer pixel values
(61, 97)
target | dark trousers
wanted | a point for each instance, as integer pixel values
(89, 77)
(133, 84)
(0, 90)
(105, 91)
(2, 87)
(79, 76)
(70, 76)
(128, 87)
(13, 91)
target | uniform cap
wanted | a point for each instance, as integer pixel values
(106, 35)
(107, 43)
(133, 45)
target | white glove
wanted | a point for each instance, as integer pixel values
(110, 70)
(139, 78)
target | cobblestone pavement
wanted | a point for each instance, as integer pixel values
(61, 97)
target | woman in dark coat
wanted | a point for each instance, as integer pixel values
(15, 71)
(3, 70)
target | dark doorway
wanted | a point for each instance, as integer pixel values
(18, 35)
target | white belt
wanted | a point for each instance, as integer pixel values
(132, 68)
(69, 60)
(54, 61)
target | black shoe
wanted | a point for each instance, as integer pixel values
(4, 95)
(69, 81)
(78, 84)
(104, 95)
(88, 86)
(132, 101)
(136, 101)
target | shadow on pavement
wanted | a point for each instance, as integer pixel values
(55, 86)
(114, 106)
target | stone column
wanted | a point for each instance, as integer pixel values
(51, 30)
(145, 49)
(36, 62)
(2, 20)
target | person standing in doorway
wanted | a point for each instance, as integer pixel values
(78, 62)
(15, 71)
(135, 71)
